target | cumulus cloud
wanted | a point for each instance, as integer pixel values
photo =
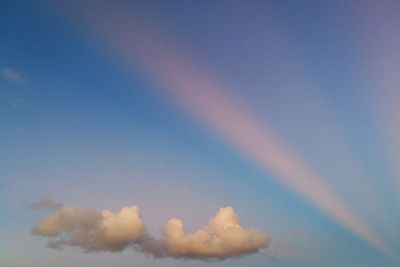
(91, 230)
(11, 75)
(222, 237)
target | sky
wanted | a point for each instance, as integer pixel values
(199, 133)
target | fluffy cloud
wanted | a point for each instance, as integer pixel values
(92, 230)
(222, 237)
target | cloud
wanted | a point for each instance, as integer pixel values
(222, 237)
(11, 75)
(91, 230)
(45, 204)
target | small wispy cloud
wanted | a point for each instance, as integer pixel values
(11, 75)
(45, 204)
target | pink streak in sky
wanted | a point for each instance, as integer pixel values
(190, 86)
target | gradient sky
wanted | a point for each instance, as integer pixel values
(287, 111)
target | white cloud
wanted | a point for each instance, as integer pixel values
(92, 230)
(222, 237)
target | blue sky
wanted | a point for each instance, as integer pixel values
(284, 110)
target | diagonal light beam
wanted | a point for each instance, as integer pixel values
(143, 48)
